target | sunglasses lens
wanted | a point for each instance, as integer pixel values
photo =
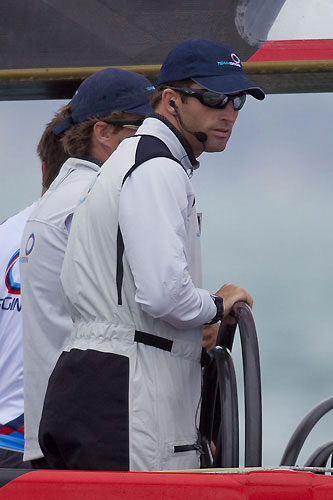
(214, 99)
(239, 101)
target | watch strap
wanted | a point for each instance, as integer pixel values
(218, 301)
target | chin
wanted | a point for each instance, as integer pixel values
(215, 148)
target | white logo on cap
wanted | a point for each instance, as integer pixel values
(235, 61)
(235, 58)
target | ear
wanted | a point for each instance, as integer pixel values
(102, 132)
(170, 100)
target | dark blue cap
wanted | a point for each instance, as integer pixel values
(211, 64)
(108, 90)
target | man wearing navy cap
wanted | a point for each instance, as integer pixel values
(213, 75)
(132, 280)
(107, 107)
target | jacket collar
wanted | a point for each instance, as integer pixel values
(158, 125)
(74, 164)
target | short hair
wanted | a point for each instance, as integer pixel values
(50, 149)
(76, 140)
(156, 97)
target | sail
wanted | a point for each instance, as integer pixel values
(49, 46)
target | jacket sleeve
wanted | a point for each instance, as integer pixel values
(153, 215)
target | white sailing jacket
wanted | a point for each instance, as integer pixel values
(131, 276)
(46, 321)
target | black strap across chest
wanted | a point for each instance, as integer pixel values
(149, 147)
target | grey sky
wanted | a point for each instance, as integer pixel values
(267, 211)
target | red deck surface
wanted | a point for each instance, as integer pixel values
(256, 485)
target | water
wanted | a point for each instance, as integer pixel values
(267, 218)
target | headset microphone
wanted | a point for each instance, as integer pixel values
(200, 136)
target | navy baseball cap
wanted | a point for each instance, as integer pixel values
(211, 64)
(108, 90)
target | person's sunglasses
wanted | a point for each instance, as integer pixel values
(213, 99)
(133, 123)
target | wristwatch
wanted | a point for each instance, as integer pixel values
(218, 301)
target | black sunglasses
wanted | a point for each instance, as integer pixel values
(213, 99)
(123, 122)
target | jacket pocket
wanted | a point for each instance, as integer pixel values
(180, 455)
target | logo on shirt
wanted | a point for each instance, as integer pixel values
(13, 287)
(30, 244)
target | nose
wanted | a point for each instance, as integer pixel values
(228, 113)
